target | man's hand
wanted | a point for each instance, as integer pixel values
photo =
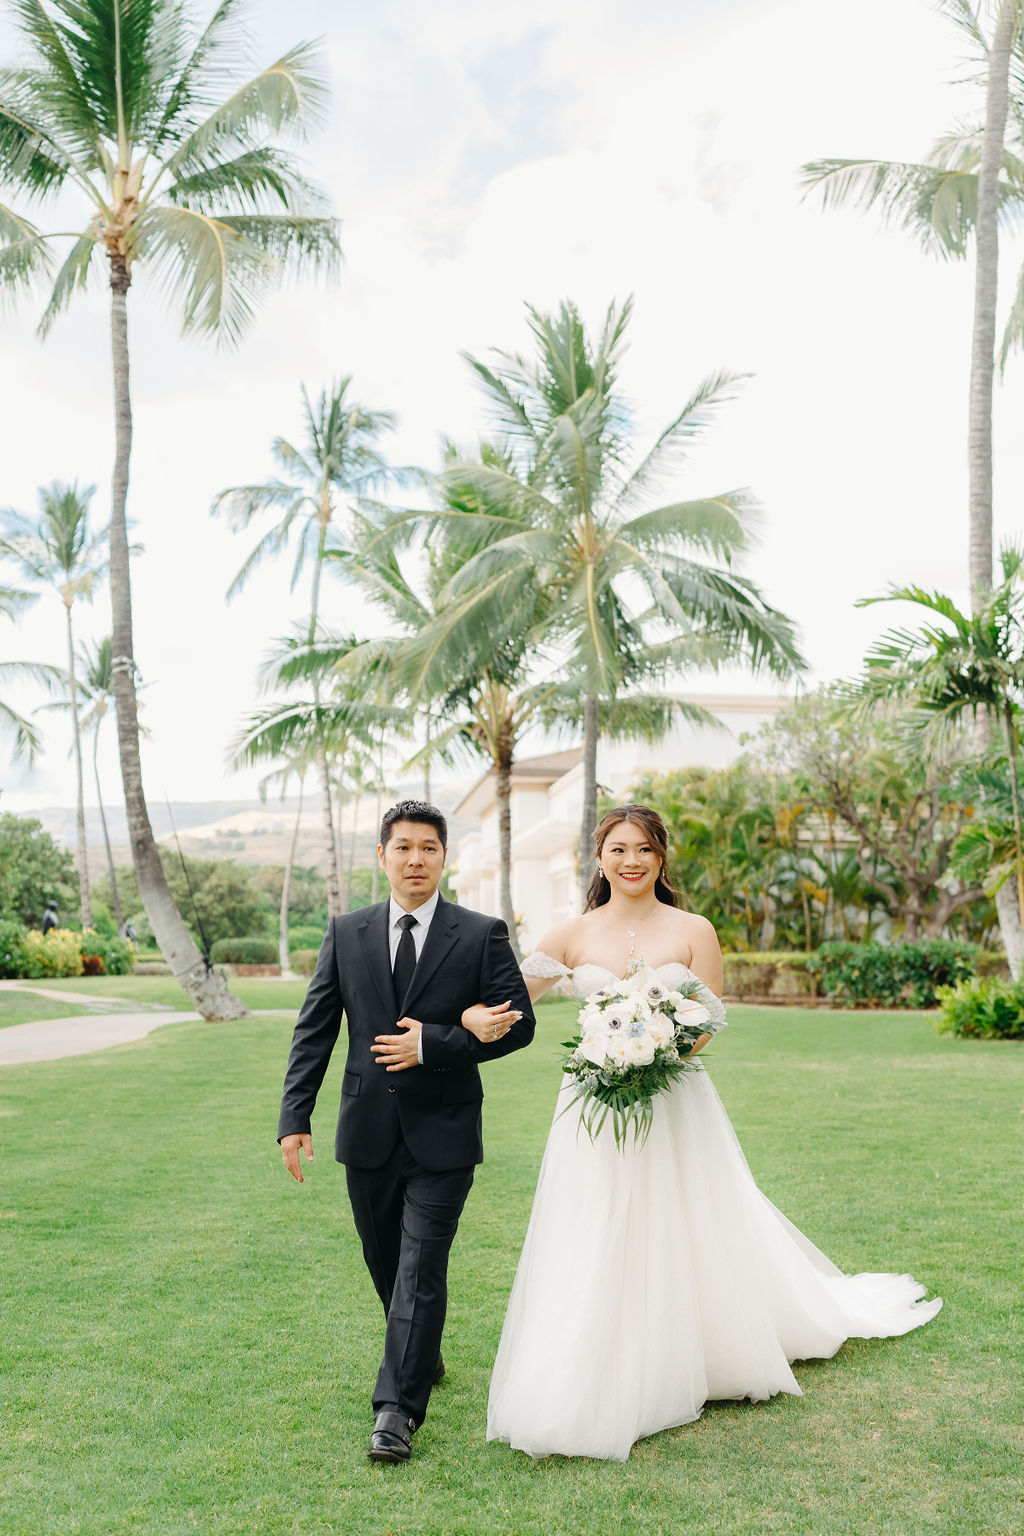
(397, 1053)
(290, 1148)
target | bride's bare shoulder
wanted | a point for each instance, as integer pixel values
(558, 941)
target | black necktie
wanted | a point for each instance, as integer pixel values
(405, 957)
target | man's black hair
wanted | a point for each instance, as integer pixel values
(414, 810)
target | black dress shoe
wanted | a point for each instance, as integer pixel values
(392, 1437)
(439, 1370)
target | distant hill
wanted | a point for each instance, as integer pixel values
(246, 831)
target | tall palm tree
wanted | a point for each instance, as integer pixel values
(98, 686)
(963, 666)
(143, 115)
(295, 766)
(338, 458)
(58, 550)
(969, 181)
(626, 589)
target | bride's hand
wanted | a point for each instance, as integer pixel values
(489, 1024)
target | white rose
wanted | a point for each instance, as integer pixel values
(661, 1029)
(617, 1048)
(640, 1051)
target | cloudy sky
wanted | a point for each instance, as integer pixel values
(485, 156)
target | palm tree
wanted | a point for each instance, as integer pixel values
(626, 600)
(58, 550)
(297, 765)
(337, 457)
(131, 108)
(98, 686)
(967, 182)
(969, 664)
(26, 741)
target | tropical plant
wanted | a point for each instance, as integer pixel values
(897, 810)
(628, 597)
(960, 667)
(967, 184)
(140, 112)
(337, 458)
(98, 686)
(58, 550)
(26, 740)
(297, 766)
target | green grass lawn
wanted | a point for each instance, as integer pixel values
(151, 991)
(26, 1007)
(189, 1339)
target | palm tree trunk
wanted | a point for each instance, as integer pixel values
(589, 823)
(985, 284)
(352, 852)
(83, 852)
(206, 988)
(503, 794)
(114, 894)
(286, 883)
(1011, 929)
(375, 881)
(1011, 746)
(327, 822)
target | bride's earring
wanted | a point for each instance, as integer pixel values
(601, 874)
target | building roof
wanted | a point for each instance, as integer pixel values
(538, 770)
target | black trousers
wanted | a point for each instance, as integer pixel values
(407, 1217)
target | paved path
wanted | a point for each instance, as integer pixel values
(49, 1039)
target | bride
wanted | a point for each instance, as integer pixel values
(656, 1278)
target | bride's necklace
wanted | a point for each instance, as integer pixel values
(634, 961)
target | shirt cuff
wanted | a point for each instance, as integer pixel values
(419, 1048)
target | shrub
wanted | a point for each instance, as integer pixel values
(303, 961)
(891, 975)
(244, 952)
(305, 936)
(58, 954)
(104, 954)
(982, 1008)
(12, 948)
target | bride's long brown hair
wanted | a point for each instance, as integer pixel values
(599, 891)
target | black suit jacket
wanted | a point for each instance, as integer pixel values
(466, 959)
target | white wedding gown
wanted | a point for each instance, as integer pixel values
(657, 1278)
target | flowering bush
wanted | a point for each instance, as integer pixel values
(633, 1042)
(58, 953)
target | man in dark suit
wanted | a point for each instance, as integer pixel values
(403, 972)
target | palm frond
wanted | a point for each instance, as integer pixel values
(215, 272)
(721, 525)
(217, 49)
(74, 274)
(249, 181)
(24, 254)
(686, 428)
(290, 94)
(938, 206)
(293, 241)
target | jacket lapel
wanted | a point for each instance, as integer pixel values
(442, 935)
(373, 939)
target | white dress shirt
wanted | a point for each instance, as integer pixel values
(423, 916)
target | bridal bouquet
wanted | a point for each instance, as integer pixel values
(633, 1042)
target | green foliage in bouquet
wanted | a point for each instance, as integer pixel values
(982, 1008)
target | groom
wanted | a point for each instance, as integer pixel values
(408, 1132)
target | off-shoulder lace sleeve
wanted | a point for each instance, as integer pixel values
(541, 965)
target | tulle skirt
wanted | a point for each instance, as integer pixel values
(654, 1280)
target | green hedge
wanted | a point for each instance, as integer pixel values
(244, 952)
(304, 961)
(12, 948)
(983, 1008)
(29, 955)
(892, 975)
(305, 936)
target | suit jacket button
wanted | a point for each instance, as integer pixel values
(391, 1088)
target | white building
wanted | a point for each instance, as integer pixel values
(547, 806)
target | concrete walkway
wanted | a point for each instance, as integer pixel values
(49, 1039)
